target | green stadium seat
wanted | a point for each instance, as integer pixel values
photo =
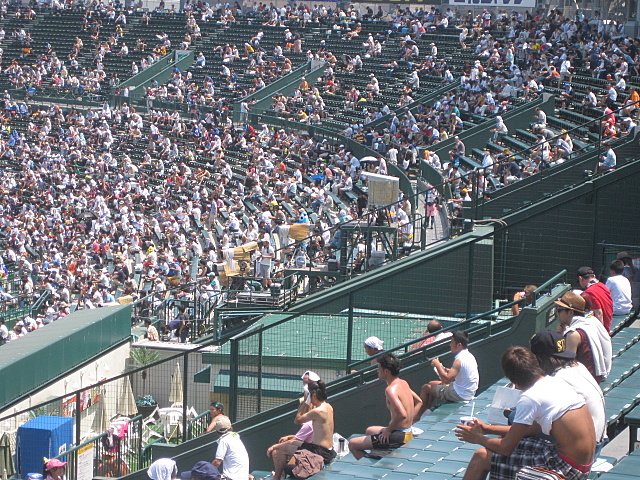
(413, 468)
(449, 468)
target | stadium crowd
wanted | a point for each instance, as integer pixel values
(83, 208)
(89, 198)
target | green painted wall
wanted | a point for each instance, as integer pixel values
(47, 354)
(562, 232)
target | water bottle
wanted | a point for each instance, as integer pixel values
(342, 445)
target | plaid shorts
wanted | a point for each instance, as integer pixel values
(532, 452)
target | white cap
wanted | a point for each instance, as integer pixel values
(313, 376)
(374, 342)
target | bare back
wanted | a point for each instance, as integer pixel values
(575, 435)
(401, 402)
(322, 418)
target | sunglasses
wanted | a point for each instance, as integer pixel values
(563, 310)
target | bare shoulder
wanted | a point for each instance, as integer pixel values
(396, 386)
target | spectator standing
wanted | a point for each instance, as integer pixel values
(372, 346)
(526, 293)
(216, 412)
(433, 327)
(633, 275)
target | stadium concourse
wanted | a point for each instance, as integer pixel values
(132, 195)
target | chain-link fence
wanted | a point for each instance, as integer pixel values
(158, 399)
(267, 361)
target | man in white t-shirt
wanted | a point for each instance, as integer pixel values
(548, 405)
(549, 347)
(620, 288)
(457, 384)
(231, 452)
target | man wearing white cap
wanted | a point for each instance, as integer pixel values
(373, 346)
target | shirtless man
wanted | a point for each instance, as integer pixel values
(548, 405)
(320, 413)
(402, 403)
(216, 411)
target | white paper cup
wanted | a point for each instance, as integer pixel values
(466, 421)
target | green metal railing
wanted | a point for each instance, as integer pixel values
(197, 426)
(330, 344)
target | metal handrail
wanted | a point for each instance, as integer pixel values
(552, 281)
(555, 137)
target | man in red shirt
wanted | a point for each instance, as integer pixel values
(597, 296)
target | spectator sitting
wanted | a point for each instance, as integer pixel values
(433, 327)
(163, 469)
(457, 384)
(518, 446)
(402, 403)
(585, 335)
(620, 288)
(549, 347)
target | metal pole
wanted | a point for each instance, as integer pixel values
(185, 388)
(470, 279)
(350, 333)
(78, 421)
(260, 346)
(233, 381)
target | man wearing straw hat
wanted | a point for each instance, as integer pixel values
(585, 335)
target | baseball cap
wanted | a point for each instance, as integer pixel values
(223, 425)
(218, 405)
(585, 271)
(202, 471)
(573, 301)
(548, 342)
(54, 463)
